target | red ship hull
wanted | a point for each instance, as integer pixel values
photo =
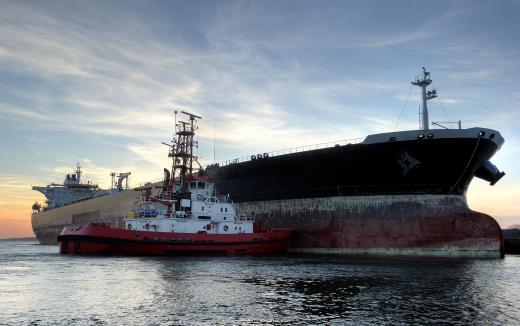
(101, 239)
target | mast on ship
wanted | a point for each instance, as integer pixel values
(78, 172)
(426, 95)
(181, 152)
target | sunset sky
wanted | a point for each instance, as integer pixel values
(97, 83)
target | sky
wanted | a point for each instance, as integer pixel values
(97, 82)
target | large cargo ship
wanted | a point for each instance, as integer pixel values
(397, 193)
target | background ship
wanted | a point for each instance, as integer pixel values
(398, 193)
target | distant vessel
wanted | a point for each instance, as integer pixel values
(186, 217)
(71, 191)
(49, 220)
(396, 193)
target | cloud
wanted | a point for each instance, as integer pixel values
(271, 76)
(285, 27)
(22, 113)
(128, 86)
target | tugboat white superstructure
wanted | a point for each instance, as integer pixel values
(204, 212)
(187, 216)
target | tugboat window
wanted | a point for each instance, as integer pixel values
(193, 185)
(202, 185)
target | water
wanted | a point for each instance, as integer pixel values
(40, 287)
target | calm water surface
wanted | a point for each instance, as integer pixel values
(40, 287)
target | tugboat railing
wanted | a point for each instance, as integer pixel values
(187, 216)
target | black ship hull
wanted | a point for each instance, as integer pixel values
(397, 193)
(419, 166)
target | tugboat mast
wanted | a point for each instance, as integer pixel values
(181, 153)
(426, 95)
(182, 150)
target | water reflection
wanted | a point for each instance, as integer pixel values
(41, 287)
(333, 296)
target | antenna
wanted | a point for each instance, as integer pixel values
(174, 123)
(213, 141)
(78, 171)
(423, 83)
(192, 116)
(113, 175)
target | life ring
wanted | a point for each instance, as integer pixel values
(147, 226)
(226, 228)
(129, 226)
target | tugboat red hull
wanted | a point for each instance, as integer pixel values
(100, 239)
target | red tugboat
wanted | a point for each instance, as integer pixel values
(186, 216)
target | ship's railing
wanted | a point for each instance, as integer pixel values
(154, 181)
(285, 151)
(293, 150)
(217, 199)
(146, 215)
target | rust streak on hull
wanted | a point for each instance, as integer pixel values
(418, 225)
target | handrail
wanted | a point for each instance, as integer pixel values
(151, 182)
(134, 215)
(279, 152)
(293, 150)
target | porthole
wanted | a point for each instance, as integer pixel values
(421, 136)
(491, 136)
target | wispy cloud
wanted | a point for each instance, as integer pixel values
(129, 89)
(270, 75)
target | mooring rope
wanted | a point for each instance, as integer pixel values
(467, 165)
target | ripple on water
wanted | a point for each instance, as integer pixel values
(38, 286)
